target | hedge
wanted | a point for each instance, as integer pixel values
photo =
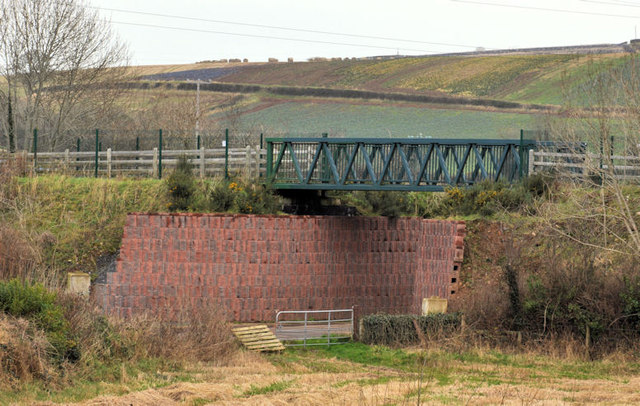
(399, 329)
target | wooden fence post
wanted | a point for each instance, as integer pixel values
(108, 163)
(25, 157)
(247, 162)
(66, 160)
(154, 171)
(586, 163)
(532, 156)
(257, 161)
(202, 162)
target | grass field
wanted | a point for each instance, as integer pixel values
(370, 375)
(386, 120)
(539, 79)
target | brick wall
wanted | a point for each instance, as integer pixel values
(256, 265)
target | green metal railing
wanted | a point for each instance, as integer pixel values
(393, 164)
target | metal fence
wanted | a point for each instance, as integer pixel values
(302, 328)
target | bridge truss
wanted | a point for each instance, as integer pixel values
(392, 164)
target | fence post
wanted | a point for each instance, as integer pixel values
(202, 162)
(531, 158)
(269, 160)
(108, 162)
(247, 162)
(306, 316)
(66, 160)
(155, 162)
(25, 157)
(198, 142)
(77, 150)
(226, 153)
(257, 161)
(160, 154)
(521, 153)
(261, 140)
(35, 150)
(324, 170)
(95, 165)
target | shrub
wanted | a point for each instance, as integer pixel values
(425, 204)
(181, 186)
(630, 297)
(382, 203)
(35, 303)
(538, 184)
(243, 197)
(400, 329)
(98, 339)
(487, 197)
(221, 196)
(256, 199)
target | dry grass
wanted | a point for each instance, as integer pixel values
(477, 377)
(376, 386)
(197, 333)
(24, 353)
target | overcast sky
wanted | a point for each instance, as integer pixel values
(253, 29)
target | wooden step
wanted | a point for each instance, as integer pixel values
(258, 338)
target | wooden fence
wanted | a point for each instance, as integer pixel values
(623, 167)
(249, 162)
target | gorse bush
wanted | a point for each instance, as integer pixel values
(181, 186)
(256, 199)
(221, 196)
(483, 198)
(488, 197)
(242, 197)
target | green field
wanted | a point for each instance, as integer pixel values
(542, 79)
(349, 120)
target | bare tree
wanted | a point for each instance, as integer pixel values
(60, 58)
(602, 125)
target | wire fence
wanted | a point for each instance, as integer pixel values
(141, 139)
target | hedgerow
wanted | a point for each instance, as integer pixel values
(387, 329)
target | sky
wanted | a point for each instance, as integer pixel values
(188, 31)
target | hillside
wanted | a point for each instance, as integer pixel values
(529, 78)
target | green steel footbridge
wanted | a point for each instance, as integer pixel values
(392, 164)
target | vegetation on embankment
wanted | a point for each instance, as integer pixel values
(537, 264)
(54, 224)
(65, 224)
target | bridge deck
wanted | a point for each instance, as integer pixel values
(392, 164)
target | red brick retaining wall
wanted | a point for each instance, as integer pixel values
(256, 265)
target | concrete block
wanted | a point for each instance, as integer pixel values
(434, 305)
(79, 283)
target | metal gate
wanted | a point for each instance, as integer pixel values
(301, 328)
